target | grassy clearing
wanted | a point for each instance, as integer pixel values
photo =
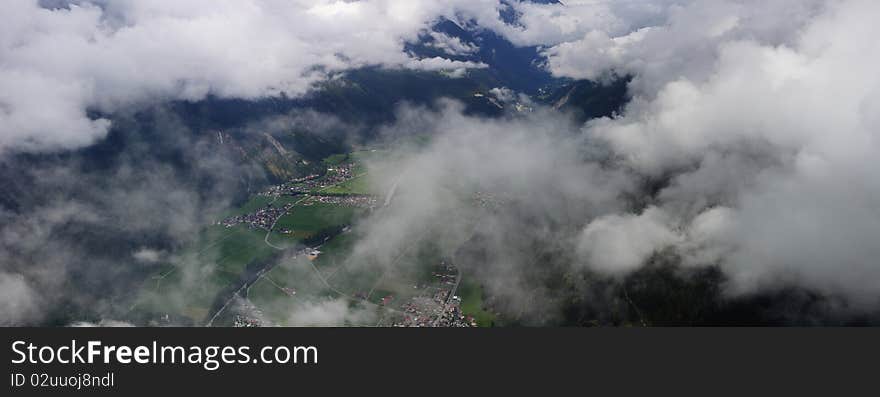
(283, 200)
(363, 156)
(357, 185)
(245, 246)
(336, 159)
(256, 202)
(335, 253)
(471, 294)
(306, 220)
(355, 279)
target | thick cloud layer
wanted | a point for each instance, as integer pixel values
(55, 64)
(537, 179)
(771, 113)
(61, 59)
(79, 231)
(759, 122)
(756, 121)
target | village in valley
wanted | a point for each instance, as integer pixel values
(290, 246)
(309, 190)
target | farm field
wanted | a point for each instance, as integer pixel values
(187, 286)
(357, 185)
(471, 294)
(304, 221)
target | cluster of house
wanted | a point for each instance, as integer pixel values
(245, 322)
(294, 186)
(439, 310)
(248, 315)
(334, 175)
(339, 173)
(313, 182)
(350, 201)
(263, 218)
(451, 315)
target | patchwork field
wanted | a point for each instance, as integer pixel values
(357, 185)
(198, 282)
(315, 217)
(187, 286)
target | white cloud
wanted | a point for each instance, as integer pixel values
(147, 255)
(328, 313)
(18, 301)
(768, 109)
(57, 63)
(682, 40)
(451, 45)
(107, 323)
(619, 244)
(552, 24)
(761, 115)
(456, 68)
